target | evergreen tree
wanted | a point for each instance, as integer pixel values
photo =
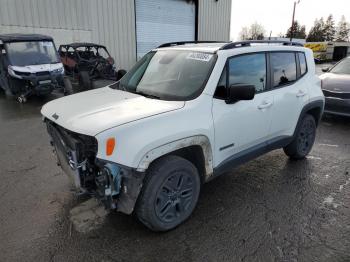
(316, 33)
(329, 29)
(299, 31)
(343, 31)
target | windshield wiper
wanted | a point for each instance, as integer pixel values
(118, 86)
(147, 95)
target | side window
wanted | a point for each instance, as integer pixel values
(284, 68)
(248, 70)
(303, 65)
(220, 91)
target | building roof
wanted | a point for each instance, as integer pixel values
(82, 44)
(7, 38)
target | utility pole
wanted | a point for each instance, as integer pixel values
(292, 27)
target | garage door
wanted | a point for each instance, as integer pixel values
(161, 21)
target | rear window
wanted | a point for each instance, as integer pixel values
(284, 68)
(303, 66)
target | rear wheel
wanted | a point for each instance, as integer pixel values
(120, 73)
(304, 139)
(84, 80)
(169, 194)
(68, 88)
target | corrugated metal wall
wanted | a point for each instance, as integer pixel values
(162, 21)
(214, 20)
(114, 26)
(109, 22)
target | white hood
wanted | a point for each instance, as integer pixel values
(97, 110)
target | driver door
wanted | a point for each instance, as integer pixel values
(242, 127)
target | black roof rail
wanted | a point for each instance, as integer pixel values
(249, 42)
(189, 42)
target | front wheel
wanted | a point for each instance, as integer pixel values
(84, 80)
(68, 87)
(304, 139)
(169, 194)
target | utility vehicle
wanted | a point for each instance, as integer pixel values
(87, 62)
(29, 65)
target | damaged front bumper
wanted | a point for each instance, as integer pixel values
(36, 84)
(116, 186)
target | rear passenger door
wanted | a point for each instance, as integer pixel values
(289, 91)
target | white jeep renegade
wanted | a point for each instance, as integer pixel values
(184, 114)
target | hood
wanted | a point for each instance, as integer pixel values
(335, 82)
(37, 68)
(97, 110)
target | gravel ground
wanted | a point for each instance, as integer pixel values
(270, 209)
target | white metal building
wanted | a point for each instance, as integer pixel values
(129, 28)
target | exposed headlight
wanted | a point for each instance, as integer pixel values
(59, 70)
(12, 72)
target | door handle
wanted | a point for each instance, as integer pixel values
(264, 105)
(301, 93)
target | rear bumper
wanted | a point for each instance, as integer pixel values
(337, 106)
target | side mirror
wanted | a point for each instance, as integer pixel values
(325, 70)
(240, 92)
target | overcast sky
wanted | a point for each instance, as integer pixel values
(276, 15)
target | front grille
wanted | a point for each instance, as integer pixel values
(341, 95)
(43, 73)
(85, 146)
(22, 73)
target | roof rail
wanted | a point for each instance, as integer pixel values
(249, 42)
(189, 42)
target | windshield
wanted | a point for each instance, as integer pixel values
(343, 67)
(169, 75)
(31, 53)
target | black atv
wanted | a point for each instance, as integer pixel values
(29, 65)
(86, 62)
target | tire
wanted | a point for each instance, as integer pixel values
(169, 194)
(304, 139)
(68, 88)
(8, 94)
(84, 81)
(120, 73)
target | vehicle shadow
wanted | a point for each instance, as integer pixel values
(254, 211)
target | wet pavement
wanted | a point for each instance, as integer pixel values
(270, 209)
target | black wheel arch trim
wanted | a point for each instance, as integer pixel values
(267, 146)
(317, 104)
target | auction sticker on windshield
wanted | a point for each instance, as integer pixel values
(199, 56)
